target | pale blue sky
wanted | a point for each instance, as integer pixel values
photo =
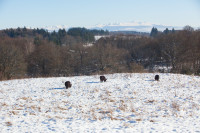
(84, 13)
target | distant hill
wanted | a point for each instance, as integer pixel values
(135, 26)
(129, 26)
(129, 33)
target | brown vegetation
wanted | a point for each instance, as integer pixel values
(28, 55)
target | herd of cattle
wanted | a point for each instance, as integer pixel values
(102, 79)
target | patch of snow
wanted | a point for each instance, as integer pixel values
(97, 37)
(56, 28)
(127, 102)
(160, 68)
(88, 45)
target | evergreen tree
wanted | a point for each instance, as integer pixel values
(166, 31)
(62, 33)
(173, 31)
(154, 32)
(24, 29)
(85, 34)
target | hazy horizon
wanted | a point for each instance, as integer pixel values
(77, 13)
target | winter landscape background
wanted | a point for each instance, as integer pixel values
(44, 43)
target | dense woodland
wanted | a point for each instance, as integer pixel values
(39, 53)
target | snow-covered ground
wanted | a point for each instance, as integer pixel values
(125, 103)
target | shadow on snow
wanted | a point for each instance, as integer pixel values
(92, 82)
(58, 88)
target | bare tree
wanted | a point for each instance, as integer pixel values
(188, 28)
(169, 49)
(66, 65)
(109, 58)
(44, 61)
(12, 63)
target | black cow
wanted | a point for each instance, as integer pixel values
(103, 78)
(157, 77)
(68, 84)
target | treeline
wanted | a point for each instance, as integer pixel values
(175, 50)
(34, 53)
(61, 37)
(37, 52)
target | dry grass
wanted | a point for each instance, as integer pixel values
(104, 112)
(132, 109)
(127, 125)
(36, 108)
(150, 101)
(59, 117)
(175, 106)
(108, 93)
(24, 98)
(96, 90)
(195, 106)
(111, 100)
(31, 113)
(68, 94)
(18, 108)
(152, 121)
(4, 104)
(61, 108)
(14, 112)
(139, 119)
(122, 107)
(94, 117)
(8, 123)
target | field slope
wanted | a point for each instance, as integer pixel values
(125, 103)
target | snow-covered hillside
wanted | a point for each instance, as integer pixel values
(134, 26)
(126, 26)
(125, 103)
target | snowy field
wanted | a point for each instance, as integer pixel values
(125, 103)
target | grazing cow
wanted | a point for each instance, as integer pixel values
(103, 78)
(157, 77)
(68, 84)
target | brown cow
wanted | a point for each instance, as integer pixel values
(103, 78)
(157, 77)
(68, 84)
